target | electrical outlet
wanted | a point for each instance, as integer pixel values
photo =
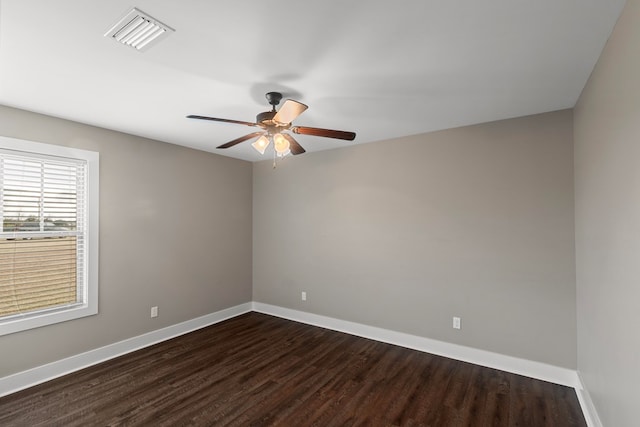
(154, 311)
(303, 296)
(456, 323)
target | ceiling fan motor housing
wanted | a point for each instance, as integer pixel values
(265, 117)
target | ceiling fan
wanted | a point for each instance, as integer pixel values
(274, 125)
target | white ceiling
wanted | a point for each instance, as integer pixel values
(380, 68)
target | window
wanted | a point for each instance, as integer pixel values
(48, 234)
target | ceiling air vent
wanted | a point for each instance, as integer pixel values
(138, 30)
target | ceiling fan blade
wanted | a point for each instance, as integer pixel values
(328, 133)
(293, 145)
(289, 111)
(214, 119)
(241, 139)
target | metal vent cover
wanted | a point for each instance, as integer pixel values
(138, 30)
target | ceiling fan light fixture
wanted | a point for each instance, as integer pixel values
(261, 144)
(281, 145)
(138, 30)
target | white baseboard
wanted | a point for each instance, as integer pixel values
(529, 368)
(40, 374)
(588, 408)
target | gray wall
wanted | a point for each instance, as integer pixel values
(607, 180)
(475, 222)
(175, 231)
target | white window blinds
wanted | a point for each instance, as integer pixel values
(43, 235)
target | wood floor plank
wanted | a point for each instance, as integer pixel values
(260, 370)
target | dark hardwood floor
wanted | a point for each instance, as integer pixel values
(261, 370)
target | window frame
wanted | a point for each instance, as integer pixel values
(48, 316)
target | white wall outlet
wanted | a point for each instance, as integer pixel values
(303, 296)
(456, 323)
(154, 311)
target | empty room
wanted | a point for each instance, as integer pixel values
(319, 213)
